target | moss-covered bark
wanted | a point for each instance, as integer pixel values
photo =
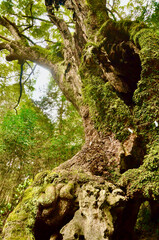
(111, 76)
(57, 197)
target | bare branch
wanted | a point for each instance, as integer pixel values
(27, 27)
(116, 12)
(32, 22)
(29, 65)
(32, 17)
(28, 39)
(60, 23)
(36, 18)
(30, 74)
(31, 6)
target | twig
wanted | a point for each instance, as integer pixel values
(30, 74)
(36, 18)
(28, 39)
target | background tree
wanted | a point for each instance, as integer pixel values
(30, 143)
(108, 69)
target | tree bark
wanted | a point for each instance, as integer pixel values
(110, 74)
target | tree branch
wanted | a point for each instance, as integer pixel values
(28, 39)
(11, 27)
(27, 27)
(21, 87)
(113, 10)
(4, 38)
(4, 45)
(62, 26)
(22, 52)
(60, 23)
(32, 17)
(69, 42)
(30, 74)
(32, 22)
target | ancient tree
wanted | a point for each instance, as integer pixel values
(109, 70)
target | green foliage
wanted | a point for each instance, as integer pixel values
(17, 131)
(68, 134)
(7, 6)
(29, 142)
(142, 11)
(17, 141)
(148, 13)
(29, 145)
(68, 137)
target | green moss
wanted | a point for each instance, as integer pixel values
(104, 102)
(98, 8)
(151, 161)
(20, 222)
(144, 180)
(147, 40)
(96, 16)
(52, 54)
(134, 29)
(103, 29)
(113, 31)
(146, 96)
(108, 110)
(39, 178)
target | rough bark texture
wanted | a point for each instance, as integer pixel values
(62, 206)
(111, 77)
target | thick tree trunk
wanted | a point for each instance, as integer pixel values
(111, 77)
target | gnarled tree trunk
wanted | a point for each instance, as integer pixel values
(110, 74)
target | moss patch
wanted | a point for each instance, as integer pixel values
(108, 110)
(54, 55)
(146, 111)
(20, 223)
(98, 8)
(144, 180)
